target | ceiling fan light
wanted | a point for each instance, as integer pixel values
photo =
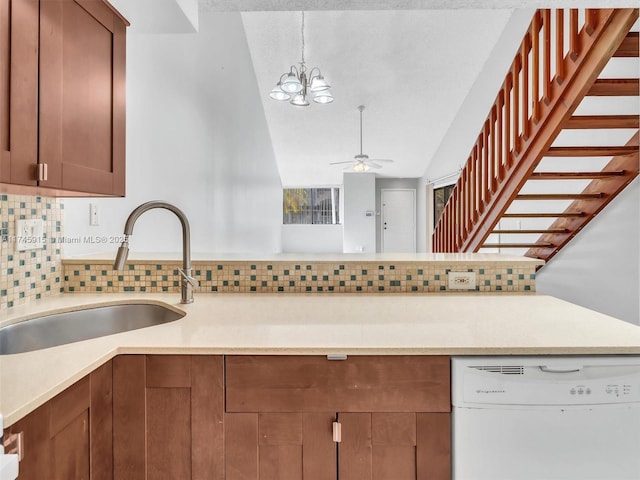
(291, 84)
(278, 94)
(299, 100)
(360, 167)
(319, 84)
(323, 97)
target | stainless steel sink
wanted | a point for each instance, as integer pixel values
(69, 327)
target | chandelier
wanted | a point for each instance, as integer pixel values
(296, 84)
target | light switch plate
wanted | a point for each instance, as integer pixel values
(462, 281)
(29, 234)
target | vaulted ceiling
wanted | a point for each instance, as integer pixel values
(411, 69)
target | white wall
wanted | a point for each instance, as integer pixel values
(312, 238)
(599, 268)
(359, 196)
(196, 137)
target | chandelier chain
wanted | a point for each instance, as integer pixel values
(302, 33)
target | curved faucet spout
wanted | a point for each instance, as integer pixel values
(188, 282)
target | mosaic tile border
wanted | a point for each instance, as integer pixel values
(296, 277)
(30, 274)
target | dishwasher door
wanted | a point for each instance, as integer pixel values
(547, 443)
(546, 418)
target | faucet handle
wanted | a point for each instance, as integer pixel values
(188, 278)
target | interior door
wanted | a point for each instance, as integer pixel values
(398, 221)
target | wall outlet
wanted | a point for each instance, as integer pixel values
(462, 280)
(29, 234)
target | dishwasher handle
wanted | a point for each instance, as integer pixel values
(572, 369)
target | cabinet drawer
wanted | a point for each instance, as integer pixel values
(358, 384)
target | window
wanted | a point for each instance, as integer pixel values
(306, 206)
(440, 197)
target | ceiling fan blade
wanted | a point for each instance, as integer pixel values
(338, 163)
(350, 167)
(383, 160)
(373, 164)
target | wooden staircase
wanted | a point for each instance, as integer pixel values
(526, 187)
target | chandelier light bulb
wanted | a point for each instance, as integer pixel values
(323, 97)
(278, 94)
(319, 84)
(299, 100)
(291, 84)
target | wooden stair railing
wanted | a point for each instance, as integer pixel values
(545, 83)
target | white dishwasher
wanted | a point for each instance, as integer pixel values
(546, 418)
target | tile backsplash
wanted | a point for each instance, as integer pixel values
(30, 274)
(296, 277)
(37, 273)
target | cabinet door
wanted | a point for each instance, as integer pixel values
(20, 158)
(5, 42)
(168, 417)
(394, 446)
(81, 96)
(280, 446)
(69, 437)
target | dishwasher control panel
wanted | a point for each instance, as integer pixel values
(521, 381)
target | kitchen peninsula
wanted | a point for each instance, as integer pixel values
(225, 339)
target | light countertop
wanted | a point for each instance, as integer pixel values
(465, 258)
(389, 324)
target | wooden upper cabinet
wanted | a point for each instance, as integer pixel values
(5, 42)
(67, 97)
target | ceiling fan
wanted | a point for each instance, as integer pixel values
(362, 162)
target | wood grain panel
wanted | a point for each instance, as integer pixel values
(241, 446)
(36, 463)
(207, 417)
(394, 462)
(168, 371)
(118, 149)
(280, 429)
(168, 433)
(280, 462)
(70, 450)
(101, 422)
(393, 428)
(68, 405)
(23, 109)
(82, 57)
(5, 62)
(319, 459)
(434, 446)
(129, 451)
(359, 384)
(355, 451)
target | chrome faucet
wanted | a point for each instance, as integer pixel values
(188, 283)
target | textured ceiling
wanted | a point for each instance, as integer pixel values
(411, 69)
(264, 5)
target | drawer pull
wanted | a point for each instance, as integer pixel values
(336, 356)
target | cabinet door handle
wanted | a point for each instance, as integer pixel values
(337, 432)
(42, 172)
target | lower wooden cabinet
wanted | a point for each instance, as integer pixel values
(203, 417)
(373, 446)
(70, 436)
(168, 417)
(393, 414)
